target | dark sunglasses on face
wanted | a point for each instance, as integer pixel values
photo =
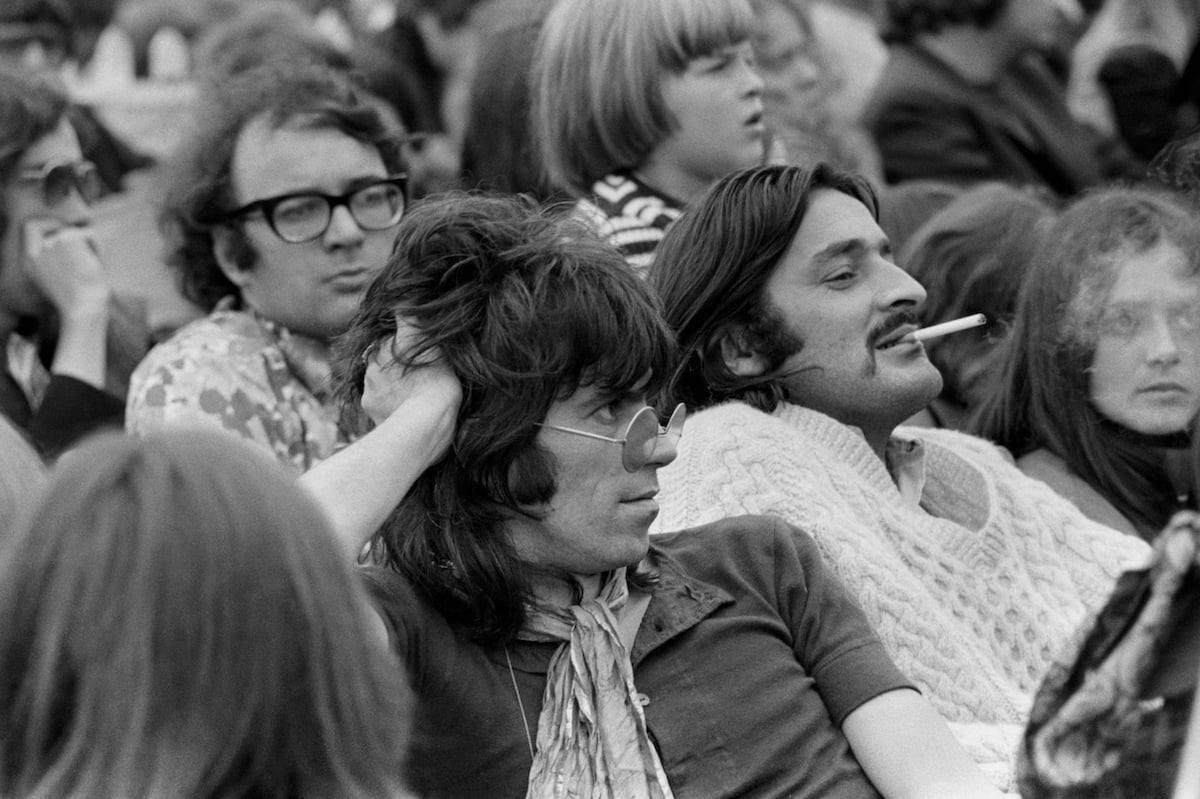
(305, 216)
(58, 179)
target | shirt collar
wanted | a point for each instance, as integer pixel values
(307, 358)
(905, 461)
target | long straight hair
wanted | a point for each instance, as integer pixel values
(178, 622)
(1039, 396)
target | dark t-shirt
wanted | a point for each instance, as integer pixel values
(750, 656)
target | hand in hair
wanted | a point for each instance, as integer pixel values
(414, 405)
(389, 383)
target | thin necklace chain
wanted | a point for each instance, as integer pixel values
(520, 704)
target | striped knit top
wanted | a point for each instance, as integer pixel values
(630, 215)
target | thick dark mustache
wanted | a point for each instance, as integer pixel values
(892, 324)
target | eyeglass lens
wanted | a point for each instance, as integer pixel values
(58, 181)
(308, 216)
(644, 433)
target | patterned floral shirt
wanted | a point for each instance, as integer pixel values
(247, 375)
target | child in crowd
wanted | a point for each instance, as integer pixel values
(638, 107)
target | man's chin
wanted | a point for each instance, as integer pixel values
(926, 390)
(916, 390)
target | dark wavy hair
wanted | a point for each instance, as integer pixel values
(1039, 394)
(31, 106)
(525, 306)
(199, 189)
(711, 272)
(905, 20)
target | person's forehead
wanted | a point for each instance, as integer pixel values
(1158, 273)
(832, 220)
(269, 160)
(781, 28)
(592, 393)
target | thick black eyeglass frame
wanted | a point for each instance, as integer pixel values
(267, 206)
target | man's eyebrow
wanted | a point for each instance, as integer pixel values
(851, 247)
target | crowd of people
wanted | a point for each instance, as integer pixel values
(553, 414)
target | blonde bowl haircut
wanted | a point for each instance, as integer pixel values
(597, 74)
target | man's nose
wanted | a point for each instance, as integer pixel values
(343, 231)
(902, 288)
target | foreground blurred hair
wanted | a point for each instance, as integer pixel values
(178, 623)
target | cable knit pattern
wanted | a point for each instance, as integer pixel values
(973, 596)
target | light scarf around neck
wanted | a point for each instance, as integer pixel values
(592, 739)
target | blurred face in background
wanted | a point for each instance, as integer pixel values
(29, 202)
(797, 77)
(33, 41)
(1038, 24)
(1145, 373)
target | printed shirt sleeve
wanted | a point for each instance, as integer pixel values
(240, 390)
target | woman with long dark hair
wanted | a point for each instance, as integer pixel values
(1099, 381)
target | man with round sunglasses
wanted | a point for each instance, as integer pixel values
(56, 303)
(505, 356)
(278, 215)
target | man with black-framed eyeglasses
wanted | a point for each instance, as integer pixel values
(278, 215)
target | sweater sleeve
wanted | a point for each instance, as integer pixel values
(71, 409)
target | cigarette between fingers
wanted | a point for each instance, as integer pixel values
(946, 328)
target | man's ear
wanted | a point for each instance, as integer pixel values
(225, 248)
(739, 355)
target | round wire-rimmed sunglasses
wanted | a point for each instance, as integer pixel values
(641, 438)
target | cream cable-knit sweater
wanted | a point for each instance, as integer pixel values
(973, 598)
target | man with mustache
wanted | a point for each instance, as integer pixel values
(793, 323)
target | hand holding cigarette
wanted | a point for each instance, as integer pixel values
(946, 328)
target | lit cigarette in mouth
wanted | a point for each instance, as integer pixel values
(946, 328)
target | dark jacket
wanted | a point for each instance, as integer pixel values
(930, 123)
